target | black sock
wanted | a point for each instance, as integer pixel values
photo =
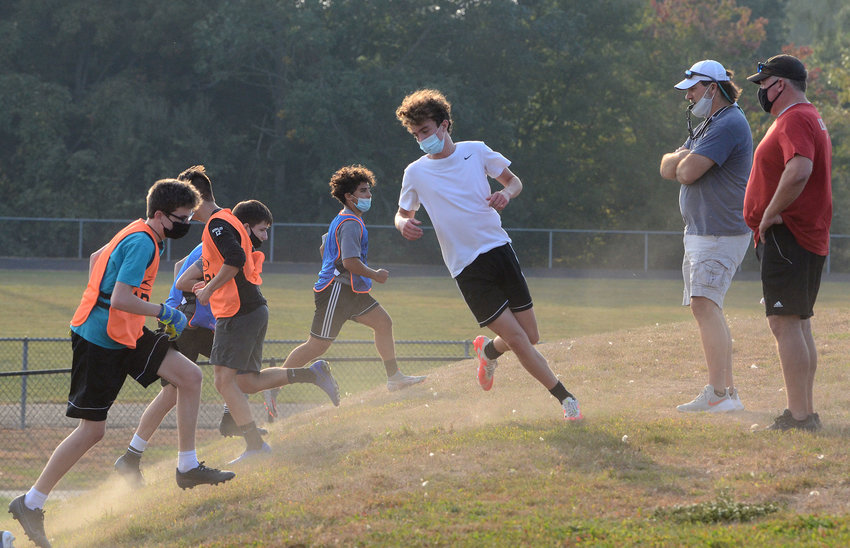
(252, 435)
(560, 392)
(300, 374)
(391, 366)
(491, 352)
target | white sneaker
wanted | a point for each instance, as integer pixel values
(709, 401)
(736, 401)
(400, 380)
(571, 410)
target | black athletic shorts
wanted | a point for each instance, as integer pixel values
(790, 274)
(492, 283)
(336, 304)
(98, 373)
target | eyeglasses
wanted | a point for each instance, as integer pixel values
(692, 73)
(184, 219)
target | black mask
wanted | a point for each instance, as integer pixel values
(177, 230)
(765, 103)
(256, 242)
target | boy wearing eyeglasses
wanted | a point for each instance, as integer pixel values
(110, 342)
(712, 167)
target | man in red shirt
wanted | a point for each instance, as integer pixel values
(788, 205)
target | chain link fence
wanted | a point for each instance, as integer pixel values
(35, 377)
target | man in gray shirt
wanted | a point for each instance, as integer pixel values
(712, 167)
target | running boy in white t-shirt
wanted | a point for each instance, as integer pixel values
(450, 180)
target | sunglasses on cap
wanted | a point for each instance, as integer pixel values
(692, 73)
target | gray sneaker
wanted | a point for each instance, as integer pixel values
(31, 520)
(250, 454)
(786, 421)
(400, 380)
(127, 466)
(325, 380)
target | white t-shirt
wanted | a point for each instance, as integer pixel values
(454, 191)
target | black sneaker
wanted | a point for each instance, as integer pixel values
(786, 421)
(815, 418)
(31, 520)
(202, 475)
(127, 466)
(227, 427)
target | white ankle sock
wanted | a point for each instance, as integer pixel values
(34, 499)
(186, 460)
(138, 444)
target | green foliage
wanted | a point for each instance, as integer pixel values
(100, 99)
(721, 510)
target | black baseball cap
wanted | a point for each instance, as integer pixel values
(783, 65)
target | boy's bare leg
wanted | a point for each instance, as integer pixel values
(65, 456)
(380, 322)
(518, 333)
(306, 352)
(156, 411)
(186, 377)
(227, 386)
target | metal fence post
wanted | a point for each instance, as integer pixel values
(550, 250)
(24, 365)
(80, 241)
(646, 251)
(271, 244)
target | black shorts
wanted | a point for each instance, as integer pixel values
(193, 342)
(98, 373)
(336, 304)
(238, 341)
(492, 283)
(790, 274)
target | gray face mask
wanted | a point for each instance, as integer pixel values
(702, 108)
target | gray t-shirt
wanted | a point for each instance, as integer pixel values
(349, 235)
(713, 204)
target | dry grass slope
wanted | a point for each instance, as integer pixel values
(445, 464)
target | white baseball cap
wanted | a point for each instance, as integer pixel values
(703, 71)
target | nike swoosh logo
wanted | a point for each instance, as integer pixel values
(468, 157)
(715, 403)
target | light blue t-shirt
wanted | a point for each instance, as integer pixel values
(203, 316)
(713, 204)
(127, 264)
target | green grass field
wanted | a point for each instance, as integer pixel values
(445, 464)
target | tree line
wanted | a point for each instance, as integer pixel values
(99, 98)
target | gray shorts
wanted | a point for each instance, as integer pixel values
(710, 263)
(238, 341)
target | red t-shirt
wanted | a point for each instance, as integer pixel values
(797, 131)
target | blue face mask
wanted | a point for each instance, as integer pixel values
(363, 204)
(432, 144)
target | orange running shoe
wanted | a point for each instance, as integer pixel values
(486, 367)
